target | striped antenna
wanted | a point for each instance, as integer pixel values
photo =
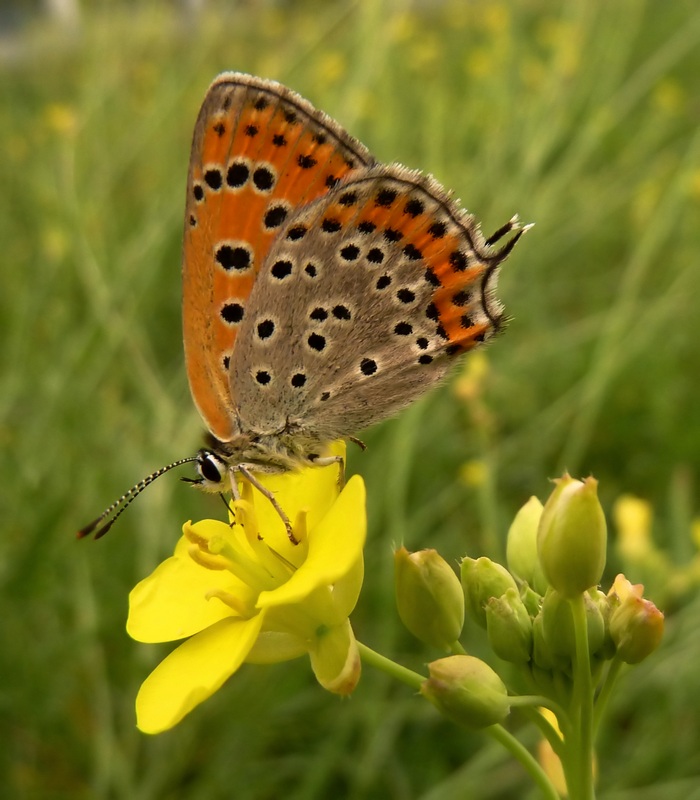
(126, 499)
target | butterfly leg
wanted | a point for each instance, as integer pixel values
(235, 491)
(358, 442)
(268, 494)
(327, 461)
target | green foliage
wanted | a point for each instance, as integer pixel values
(582, 117)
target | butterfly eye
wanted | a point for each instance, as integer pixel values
(210, 467)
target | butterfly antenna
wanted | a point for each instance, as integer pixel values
(125, 501)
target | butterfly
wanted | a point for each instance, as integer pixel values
(322, 291)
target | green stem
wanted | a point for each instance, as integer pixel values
(385, 664)
(583, 702)
(457, 649)
(606, 690)
(498, 732)
(523, 755)
(548, 731)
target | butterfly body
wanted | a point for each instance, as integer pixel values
(279, 451)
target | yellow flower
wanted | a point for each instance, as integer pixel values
(633, 519)
(245, 593)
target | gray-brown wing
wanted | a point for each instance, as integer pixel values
(365, 298)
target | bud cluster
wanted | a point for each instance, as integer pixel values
(556, 555)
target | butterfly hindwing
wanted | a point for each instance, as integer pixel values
(259, 152)
(361, 304)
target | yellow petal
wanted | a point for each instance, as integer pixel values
(172, 602)
(346, 590)
(313, 489)
(193, 672)
(336, 660)
(272, 647)
(335, 547)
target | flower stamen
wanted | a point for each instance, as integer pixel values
(241, 608)
(208, 560)
(301, 527)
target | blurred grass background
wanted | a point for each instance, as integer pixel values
(581, 115)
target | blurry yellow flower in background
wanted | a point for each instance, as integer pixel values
(245, 593)
(633, 519)
(61, 119)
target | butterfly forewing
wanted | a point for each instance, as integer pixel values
(259, 152)
(361, 304)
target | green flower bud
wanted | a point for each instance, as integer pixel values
(466, 690)
(558, 627)
(483, 579)
(509, 627)
(636, 624)
(521, 546)
(595, 621)
(532, 600)
(540, 652)
(429, 597)
(572, 536)
(607, 648)
(557, 630)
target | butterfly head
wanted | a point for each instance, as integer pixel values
(212, 470)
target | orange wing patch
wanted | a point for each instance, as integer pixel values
(259, 151)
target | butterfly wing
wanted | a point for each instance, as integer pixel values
(364, 299)
(259, 151)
